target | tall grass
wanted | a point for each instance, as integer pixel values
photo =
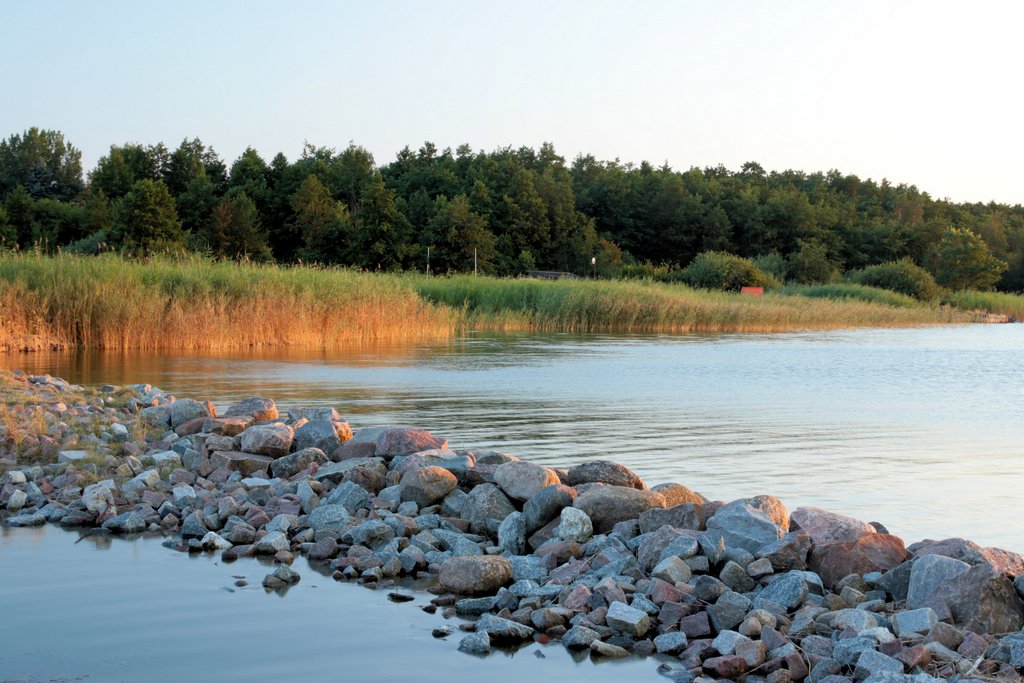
(1011, 305)
(853, 292)
(113, 303)
(630, 306)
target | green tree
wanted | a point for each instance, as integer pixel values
(963, 261)
(43, 163)
(196, 204)
(147, 219)
(810, 264)
(191, 159)
(21, 216)
(235, 229)
(8, 235)
(459, 233)
(319, 223)
(124, 165)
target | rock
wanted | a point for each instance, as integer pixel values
(485, 507)
(521, 480)
(628, 619)
(579, 637)
(478, 643)
(834, 560)
(227, 426)
(17, 500)
(427, 485)
(475, 574)
(504, 629)
(274, 440)
(329, 518)
(185, 410)
(71, 456)
(677, 494)
(512, 533)
(575, 525)
(1009, 563)
(672, 569)
(913, 622)
(682, 516)
(547, 504)
(371, 533)
(788, 590)
(873, 662)
(822, 525)
(26, 520)
(728, 611)
(605, 472)
(126, 523)
(165, 459)
(608, 505)
(609, 650)
(143, 480)
(273, 543)
(735, 577)
(727, 666)
(324, 549)
(788, 552)
(743, 526)
(406, 441)
(671, 643)
(243, 463)
(156, 416)
(727, 641)
(350, 495)
(259, 409)
(290, 465)
(98, 498)
(214, 541)
(983, 600)
(193, 526)
(321, 434)
(927, 573)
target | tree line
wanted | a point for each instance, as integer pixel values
(505, 211)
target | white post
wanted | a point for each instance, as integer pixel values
(428, 261)
(474, 260)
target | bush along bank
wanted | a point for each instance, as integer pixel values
(589, 555)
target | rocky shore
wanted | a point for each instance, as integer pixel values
(515, 552)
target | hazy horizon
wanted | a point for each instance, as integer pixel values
(918, 93)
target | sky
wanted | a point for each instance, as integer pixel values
(920, 92)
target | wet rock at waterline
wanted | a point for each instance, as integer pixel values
(589, 556)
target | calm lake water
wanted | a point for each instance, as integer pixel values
(919, 429)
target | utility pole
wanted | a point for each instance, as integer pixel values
(428, 261)
(593, 262)
(474, 260)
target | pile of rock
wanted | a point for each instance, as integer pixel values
(587, 555)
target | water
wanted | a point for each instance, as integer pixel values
(918, 429)
(131, 610)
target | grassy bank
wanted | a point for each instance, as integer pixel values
(1011, 305)
(631, 306)
(112, 303)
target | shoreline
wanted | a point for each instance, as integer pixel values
(589, 555)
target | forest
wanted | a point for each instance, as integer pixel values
(505, 212)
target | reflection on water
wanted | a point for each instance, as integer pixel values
(914, 428)
(130, 613)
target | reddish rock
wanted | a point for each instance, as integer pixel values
(870, 553)
(245, 463)
(608, 505)
(227, 426)
(404, 441)
(671, 613)
(822, 525)
(677, 494)
(911, 657)
(1009, 563)
(604, 472)
(695, 625)
(191, 427)
(956, 548)
(663, 591)
(475, 574)
(354, 449)
(797, 665)
(789, 552)
(983, 600)
(729, 666)
(973, 646)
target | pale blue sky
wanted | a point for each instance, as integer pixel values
(921, 92)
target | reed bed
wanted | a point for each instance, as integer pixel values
(1000, 303)
(631, 306)
(853, 292)
(113, 303)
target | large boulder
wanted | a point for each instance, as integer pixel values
(468, 575)
(822, 525)
(485, 507)
(929, 572)
(246, 463)
(521, 480)
(982, 600)
(682, 516)
(608, 505)
(677, 494)
(406, 441)
(186, 409)
(296, 462)
(741, 525)
(427, 485)
(604, 472)
(257, 408)
(547, 504)
(322, 434)
(834, 560)
(788, 552)
(274, 439)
